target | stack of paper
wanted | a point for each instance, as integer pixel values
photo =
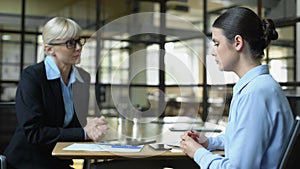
(104, 147)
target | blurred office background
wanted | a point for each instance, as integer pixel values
(170, 83)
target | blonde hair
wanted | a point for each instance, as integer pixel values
(60, 28)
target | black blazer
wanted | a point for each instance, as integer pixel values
(40, 114)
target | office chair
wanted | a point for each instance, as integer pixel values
(3, 161)
(289, 159)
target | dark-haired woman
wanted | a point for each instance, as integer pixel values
(260, 118)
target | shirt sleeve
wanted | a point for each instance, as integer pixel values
(216, 142)
(205, 159)
(244, 150)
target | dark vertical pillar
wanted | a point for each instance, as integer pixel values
(295, 54)
(205, 90)
(259, 6)
(36, 45)
(162, 87)
(100, 90)
(22, 37)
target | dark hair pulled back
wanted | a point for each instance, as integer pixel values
(243, 21)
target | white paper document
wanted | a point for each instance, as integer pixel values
(103, 147)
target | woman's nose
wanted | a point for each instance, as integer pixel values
(78, 46)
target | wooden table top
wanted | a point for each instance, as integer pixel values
(122, 128)
(146, 152)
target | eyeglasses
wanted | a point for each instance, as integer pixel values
(71, 44)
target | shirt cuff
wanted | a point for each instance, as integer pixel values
(209, 143)
(199, 157)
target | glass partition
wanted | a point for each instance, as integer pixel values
(156, 57)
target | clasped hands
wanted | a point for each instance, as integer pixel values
(191, 141)
(96, 128)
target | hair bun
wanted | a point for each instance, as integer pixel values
(270, 32)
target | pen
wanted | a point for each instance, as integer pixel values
(193, 135)
(200, 129)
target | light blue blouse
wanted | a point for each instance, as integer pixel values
(259, 124)
(52, 72)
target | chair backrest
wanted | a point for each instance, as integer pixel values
(8, 121)
(3, 161)
(294, 102)
(289, 159)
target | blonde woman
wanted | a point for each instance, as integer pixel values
(46, 107)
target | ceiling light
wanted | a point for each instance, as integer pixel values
(6, 37)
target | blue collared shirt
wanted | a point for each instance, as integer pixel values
(52, 72)
(260, 121)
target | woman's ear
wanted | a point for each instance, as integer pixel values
(238, 42)
(49, 50)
